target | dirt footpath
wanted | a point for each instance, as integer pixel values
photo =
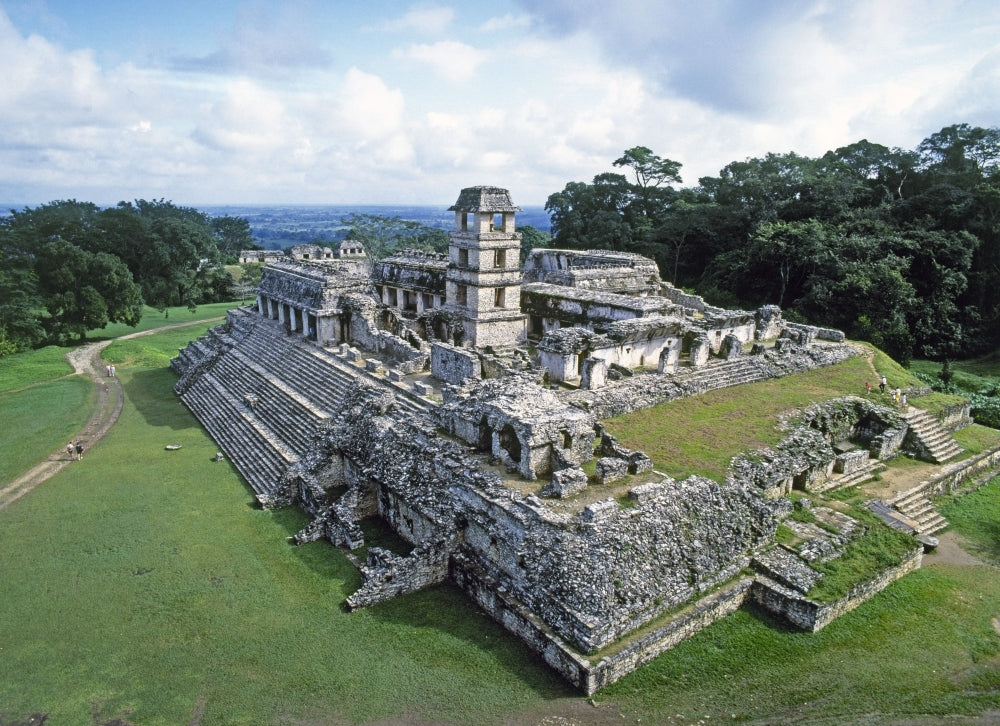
(86, 361)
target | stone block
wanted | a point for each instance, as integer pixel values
(594, 374)
(669, 358)
(731, 347)
(610, 469)
(566, 483)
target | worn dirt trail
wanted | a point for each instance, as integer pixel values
(86, 361)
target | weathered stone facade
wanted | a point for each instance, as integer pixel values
(402, 391)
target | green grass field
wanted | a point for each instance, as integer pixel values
(144, 585)
(152, 318)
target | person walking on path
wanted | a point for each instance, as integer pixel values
(79, 451)
(112, 369)
(69, 449)
(868, 388)
(881, 385)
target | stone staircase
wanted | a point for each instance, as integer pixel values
(915, 506)
(264, 395)
(935, 443)
(721, 375)
(844, 481)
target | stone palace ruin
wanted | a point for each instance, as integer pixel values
(458, 398)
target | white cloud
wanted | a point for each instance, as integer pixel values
(426, 20)
(450, 59)
(506, 22)
(366, 108)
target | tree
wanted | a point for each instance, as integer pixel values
(653, 175)
(532, 238)
(883, 171)
(961, 149)
(83, 290)
(232, 234)
(381, 236)
(786, 252)
(250, 276)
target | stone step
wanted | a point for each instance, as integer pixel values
(857, 477)
(258, 462)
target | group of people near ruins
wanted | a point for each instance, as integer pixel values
(898, 397)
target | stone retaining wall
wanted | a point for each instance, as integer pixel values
(811, 615)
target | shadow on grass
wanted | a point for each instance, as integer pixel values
(151, 392)
(445, 609)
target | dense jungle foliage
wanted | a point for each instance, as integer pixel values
(900, 248)
(68, 267)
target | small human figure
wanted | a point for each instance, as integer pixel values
(902, 401)
(112, 370)
(108, 369)
(79, 451)
(69, 449)
(881, 385)
(868, 388)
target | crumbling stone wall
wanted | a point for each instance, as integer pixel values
(521, 424)
(645, 390)
(613, 569)
(616, 272)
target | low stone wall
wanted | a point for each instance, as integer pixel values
(486, 593)
(955, 417)
(705, 612)
(964, 476)
(812, 616)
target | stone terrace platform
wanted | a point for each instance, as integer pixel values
(263, 394)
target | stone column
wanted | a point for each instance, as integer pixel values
(700, 348)
(594, 373)
(669, 357)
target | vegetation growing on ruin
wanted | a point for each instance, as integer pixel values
(878, 549)
(700, 434)
(192, 605)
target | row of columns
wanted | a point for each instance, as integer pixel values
(294, 319)
(409, 300)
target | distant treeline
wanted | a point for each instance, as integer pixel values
(897, 247)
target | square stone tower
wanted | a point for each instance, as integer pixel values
(483, 281)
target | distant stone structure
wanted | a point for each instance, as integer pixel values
(457, 398)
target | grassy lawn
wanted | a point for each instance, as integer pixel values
(152, 318)
(32, 367)
(700, 434)
(39, 421)
(143, 584)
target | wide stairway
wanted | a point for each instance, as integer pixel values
(264, 395)
(938, 443)
(722, 375)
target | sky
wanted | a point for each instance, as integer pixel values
(379, 102)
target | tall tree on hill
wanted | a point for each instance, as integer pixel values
(232, 234)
